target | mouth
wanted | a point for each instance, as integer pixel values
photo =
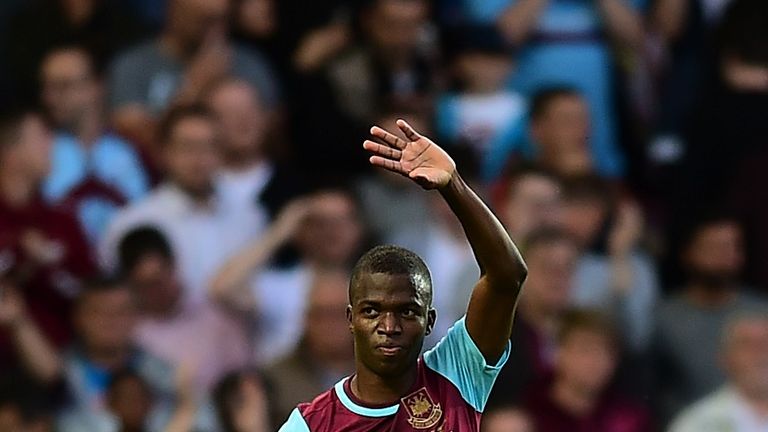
(389, 350)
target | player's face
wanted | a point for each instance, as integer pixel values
(389, 318)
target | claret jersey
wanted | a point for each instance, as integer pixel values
(451, 389)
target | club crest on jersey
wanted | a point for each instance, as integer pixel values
(423, 412)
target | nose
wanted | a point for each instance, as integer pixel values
(389, 325)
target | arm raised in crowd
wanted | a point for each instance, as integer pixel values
(494, 298)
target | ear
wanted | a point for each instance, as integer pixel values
(431, 319)
(349, 317)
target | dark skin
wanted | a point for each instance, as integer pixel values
(390, 315)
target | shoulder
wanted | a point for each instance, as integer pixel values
(709, 412)
(141, 53)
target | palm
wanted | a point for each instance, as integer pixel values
(417, 158)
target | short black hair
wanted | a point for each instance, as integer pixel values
(590, 188)
(589, 320)
(543, 98)
(392, 260)
(140, 242)
(97, 285)
(743, 31)
(176, 115)
(546, 236)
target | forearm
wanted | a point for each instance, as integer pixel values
(35, 352)
(623, 22)
(233, 276)
(496, 254)
(518, 20)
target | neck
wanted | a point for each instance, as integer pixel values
(90, 128)
(108, 358)
(575, 400)
(377, 390)
(708, 297)
(175, 46)
(757, 401)
(242, 162)
(15, 189)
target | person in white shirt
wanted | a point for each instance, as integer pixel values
(327, 232)
(203, 228)
(741, 405)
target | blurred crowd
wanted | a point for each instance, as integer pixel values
(183, 190)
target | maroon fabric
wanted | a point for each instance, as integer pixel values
(48, 290)
(443, 409)
(614, 413)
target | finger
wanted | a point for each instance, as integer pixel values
(382, 150)
(391, 139)
(388, 164)
(408, 130)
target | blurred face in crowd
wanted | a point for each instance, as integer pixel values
(332, 232)
(191, 155)
(29, 151)
(550, 273)
(256, 18)
(70, 89)
(483, 72)
(190, 21)
(154, 280)
(11, 418)
(326, 332)
(395, 25)
(533, 202)
(715, 255)
(105, 319)
(745, 356)
(562, 135)
(506, 420)
(241, 117)
(583, 217)
(586, 360)
(130, 401)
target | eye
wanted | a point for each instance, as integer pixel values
(369, 311)
(409, 313)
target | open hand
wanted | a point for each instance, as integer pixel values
(418, 158)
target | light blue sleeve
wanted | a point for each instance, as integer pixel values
(295, 423)
(135, 182)
(513, 138)
(459, 360)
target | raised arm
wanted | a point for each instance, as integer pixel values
(492, 306)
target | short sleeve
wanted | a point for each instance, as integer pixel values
(295, 423)
(459, 360)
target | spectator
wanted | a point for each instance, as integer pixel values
(738, 406)
(202, 227)
(167, 328)
(392, 65)
(327, 232)
(192, 53)
(506, 419)
(689, 323)
(483, 113)
(551, 255)
(614, 274)
(104, 318)
(324, 354)
(560, 130)
(580, 397)
(529, 200)
(250, 176)
(130, 401)
(93, 171)
(241, 403)
(567, 43)
(43, 249)
(102, 27)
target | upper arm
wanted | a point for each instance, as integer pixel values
(295, 423)
(458, 358)
(489, 317)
